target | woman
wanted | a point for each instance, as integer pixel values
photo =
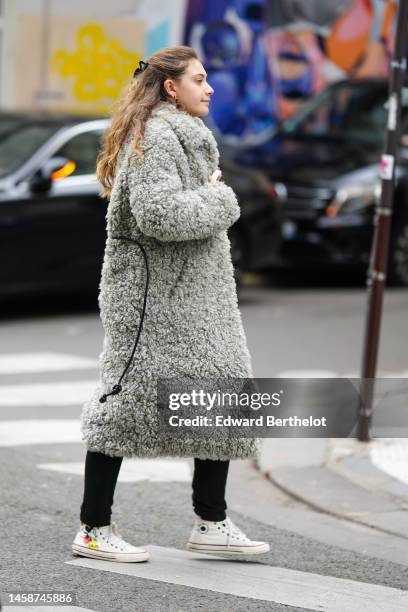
(168, 208)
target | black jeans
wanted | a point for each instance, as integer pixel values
(102, 471)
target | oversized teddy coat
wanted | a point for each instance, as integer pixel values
(192, 323)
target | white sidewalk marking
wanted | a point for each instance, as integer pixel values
(35, 431)
(18, 363)
(77, 392)
(257, 581)
(391, 456)
(47, 394)
(306, 374)
(333, 374)
(134, 470)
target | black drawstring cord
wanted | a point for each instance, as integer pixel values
(118, 387)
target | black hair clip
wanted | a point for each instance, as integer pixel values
(142, 66)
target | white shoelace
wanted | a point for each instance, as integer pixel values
(114, 537)
(233, 529)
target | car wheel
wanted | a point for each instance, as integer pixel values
(398, 258)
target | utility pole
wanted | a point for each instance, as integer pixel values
(379, 253)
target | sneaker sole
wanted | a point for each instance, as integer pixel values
(230, 550)
(80, 551)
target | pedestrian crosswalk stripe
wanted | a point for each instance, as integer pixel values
(134, 470)
(333, 374)
(35, 431)
(70, 393)
(306, 374)
(59, 431)
(21, 363)
(256, 580)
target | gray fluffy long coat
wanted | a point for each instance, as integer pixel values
(192, 323)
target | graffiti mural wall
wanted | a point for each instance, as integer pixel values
(80, 62)
(265, 58)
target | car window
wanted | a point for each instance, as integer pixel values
(354, 113)
(83, 150)
(19, 141)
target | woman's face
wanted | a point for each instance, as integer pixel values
(193, 92)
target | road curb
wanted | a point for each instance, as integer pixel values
(339, 479)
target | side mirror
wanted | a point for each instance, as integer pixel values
(53, 169)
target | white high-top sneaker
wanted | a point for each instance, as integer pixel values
(106, 543)
(222, 536)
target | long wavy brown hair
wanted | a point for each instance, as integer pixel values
(135, 105)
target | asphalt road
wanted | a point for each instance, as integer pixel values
(47, 367)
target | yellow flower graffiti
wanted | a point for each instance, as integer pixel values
(100, 65)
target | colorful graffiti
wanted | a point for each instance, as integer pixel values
(98, 66)
(265, 58)
(77, 65)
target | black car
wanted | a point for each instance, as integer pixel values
(308, 194)
(52, 219)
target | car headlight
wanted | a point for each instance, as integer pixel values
(354, 198)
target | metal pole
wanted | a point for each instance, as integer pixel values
(379, 253)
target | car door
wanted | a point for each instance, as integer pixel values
(59, 235)
(77, 235)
